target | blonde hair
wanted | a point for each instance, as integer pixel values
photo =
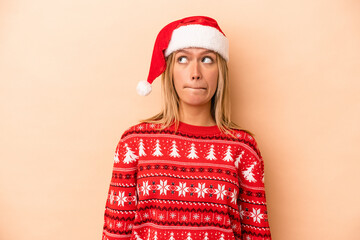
(220, 102)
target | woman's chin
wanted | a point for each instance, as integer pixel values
(195, 102)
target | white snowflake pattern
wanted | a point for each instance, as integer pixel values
(234, 226)
(145, 188)
(146, 215)
(233, 196)
(184, 218)
(201, 190)
(218, 217)
(196, 216)
(207, 218)
(163, 187)
(152, 125)
(161, 217)
(121, 199)
(220, 191)
(256, 215)
(111, 197)
(119, 224)
(130, 226)
(242, 212)
(140, 127)
(116, 158)
(172, 215)
(182, 189)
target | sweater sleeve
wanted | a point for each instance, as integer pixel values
(252, 199)
(121, 202)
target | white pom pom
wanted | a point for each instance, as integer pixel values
(143, 88)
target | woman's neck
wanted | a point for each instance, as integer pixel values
(196, 115)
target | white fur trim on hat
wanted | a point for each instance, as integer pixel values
(198, 35)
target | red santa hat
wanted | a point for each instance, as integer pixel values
(196, 31)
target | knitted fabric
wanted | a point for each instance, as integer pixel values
(195, 184)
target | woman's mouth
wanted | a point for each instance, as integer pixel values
(198, 88)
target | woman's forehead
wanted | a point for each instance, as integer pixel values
(194, 50)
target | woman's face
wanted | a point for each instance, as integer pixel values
(195, 75)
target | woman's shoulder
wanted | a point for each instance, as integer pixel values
(243, 134)
(246, 137)
(140, 128)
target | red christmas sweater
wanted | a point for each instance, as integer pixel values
(195, 184)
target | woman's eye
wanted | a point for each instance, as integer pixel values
(207, 60)
(182, 59)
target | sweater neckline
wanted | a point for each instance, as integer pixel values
(197, 130)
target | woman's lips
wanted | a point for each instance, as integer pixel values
(196, 88)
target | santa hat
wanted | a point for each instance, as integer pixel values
(196, 31)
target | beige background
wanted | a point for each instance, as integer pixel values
(68, 73)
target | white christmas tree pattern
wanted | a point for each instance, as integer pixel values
(193, 152)
(141, 148)
(248, 174)
(206, 236)
(155, 236)
(211, 154)
(171, 236)
(228, 155)
(238, 159)
(149, 233)
(116, 157)
(174, 151)
(222, 237)
(129, 155)
(189, 236)
(137, 236)
(157, 149)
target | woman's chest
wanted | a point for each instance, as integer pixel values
(191, 171)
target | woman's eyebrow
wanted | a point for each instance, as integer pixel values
(208, 51)
(184, 51)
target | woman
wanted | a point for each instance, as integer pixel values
(188, 172)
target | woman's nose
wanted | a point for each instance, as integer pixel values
(195, 71)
